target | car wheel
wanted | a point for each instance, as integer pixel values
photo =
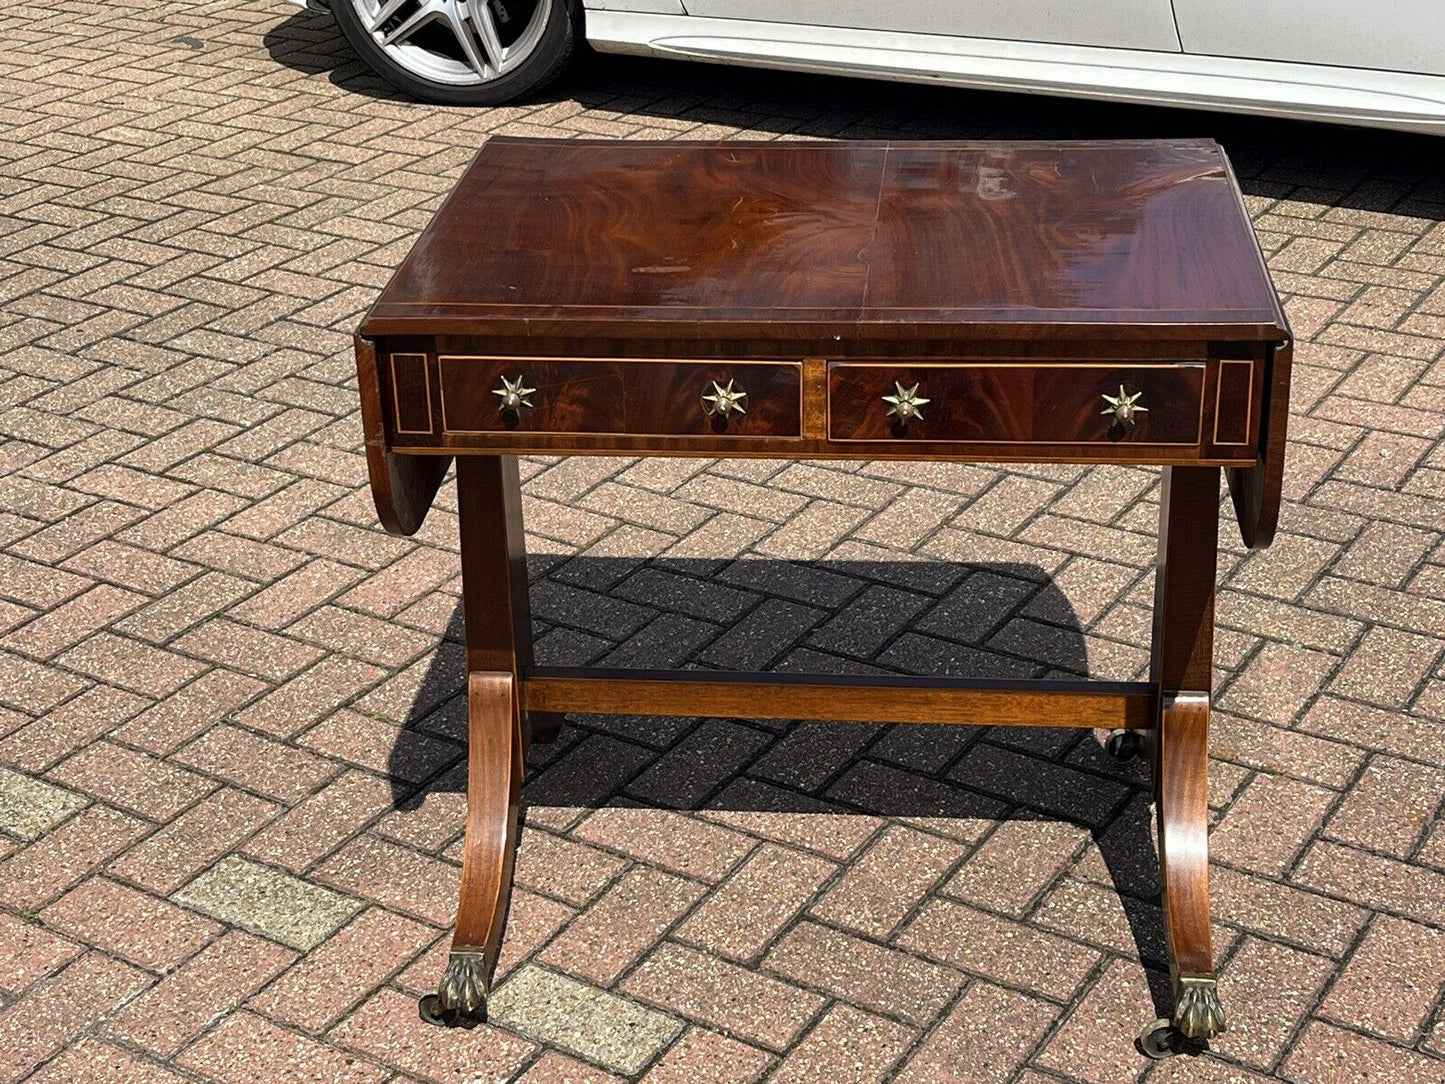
(463, 52)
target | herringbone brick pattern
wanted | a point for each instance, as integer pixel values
(230, 758)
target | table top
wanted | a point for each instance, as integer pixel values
(1143, 239)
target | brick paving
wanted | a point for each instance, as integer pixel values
(230, 707)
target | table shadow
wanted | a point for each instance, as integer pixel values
(995, 619)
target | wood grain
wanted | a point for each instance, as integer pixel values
(1018, 402)
(615, 396)
(1111, 705)
(1182, 807)
(868, 240)
(1257, 490)
(402, 486)
(1182, 670)
(495, 602)
(494, 789)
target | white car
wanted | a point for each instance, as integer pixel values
(1372, 62)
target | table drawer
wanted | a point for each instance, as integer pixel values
(616, 396)
(1016, 403)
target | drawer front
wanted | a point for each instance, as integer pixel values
(614, 396)
(1012, 403)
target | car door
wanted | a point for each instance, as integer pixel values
(1120, 24)
(1389, 35)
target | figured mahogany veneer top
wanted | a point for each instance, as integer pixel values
(871, 240)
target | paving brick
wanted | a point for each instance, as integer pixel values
(130, 664)
(71, 622)
(387, 1028)
(1391, 982)
(332, 978)
(245, 1046)
(1277, 683)
(1372, 880)
(172, 722)
(185, 607)
(599, 766)
(705, 1055)
(194, 840)
(983, 1040)
(46, 868)
(252, 651)
(1387, 667)
(1376, 729)
(147, 931)
(266, 901)
(96, 1062)
(131, 780)
(295, 594)
(29, 952)
(739, 1002)
(1390, 807)
(884, 884)
(66, 728)
(600, 1026)
(1269, 823)
(208, 985)
(554, 1068)
(999, 949)
(1328, 1053)
(1096, 1040)
(1282, 752)
(564, 868)
(321, 822)
(256, 763)
(1101, 915)
(919, 800)
(32, 807)
(847, 1044)
(1276, 986)
(1015, 864)
(811, 753)
(56, 1010)
(743, 916)
(672, 840)
(395, 877)
(750, 805)
(878, 978)
(623, 924)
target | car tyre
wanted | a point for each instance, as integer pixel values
(549, 49)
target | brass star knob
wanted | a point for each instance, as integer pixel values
(724, 401)
(905, 403)
(513, 394)
(1125, 407)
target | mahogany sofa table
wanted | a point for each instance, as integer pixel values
(1081, 302)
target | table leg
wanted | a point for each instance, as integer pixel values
(499, 648)
(494, 788)
(1182, 669)
(494, 576)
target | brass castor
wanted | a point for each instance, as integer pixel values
(1157, 1040)
(461, 999)
(1124, 745)
(430, 1010)
(1198, 1017)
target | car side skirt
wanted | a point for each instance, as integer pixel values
(1401, 101)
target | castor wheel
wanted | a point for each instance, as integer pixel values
(430, 1009)
(1124, 745)
(1158, 1040)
